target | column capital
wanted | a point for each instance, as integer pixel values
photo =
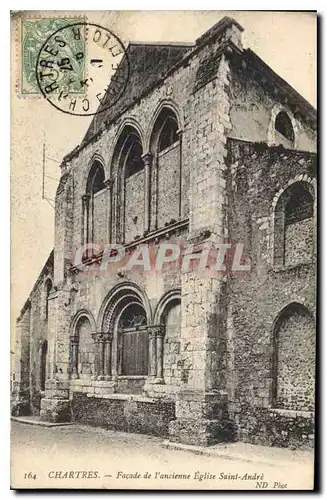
(109, 183)
(156, 330)
(73, 339)
(102, 336)
(86, 197)
(147, 158)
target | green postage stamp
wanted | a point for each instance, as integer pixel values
(34, 33)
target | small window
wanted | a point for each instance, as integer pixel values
(168, 134)
(283, 126)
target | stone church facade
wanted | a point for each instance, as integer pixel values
(206, 146)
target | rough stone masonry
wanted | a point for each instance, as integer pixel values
(207, 146)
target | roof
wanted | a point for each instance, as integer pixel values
(157, 60)
(150, 59)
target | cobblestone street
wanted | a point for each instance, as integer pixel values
(58, 456)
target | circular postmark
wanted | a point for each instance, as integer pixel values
(82, 69)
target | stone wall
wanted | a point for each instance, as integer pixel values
(254, 105)
(134, 206)
(299, 244)
(295, 346)
(257, 298)
(86, 349)
(168, 186)
(124, 413)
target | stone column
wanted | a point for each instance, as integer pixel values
(101, 357)
(107, 354)
(152, 353)
(202, 416)
(109, 184)
(159, 333)
(147, 158)
(180, 137)
(85, 209)
(74, 358)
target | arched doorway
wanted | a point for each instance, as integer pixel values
(133, 344)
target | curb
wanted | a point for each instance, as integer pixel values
(40, 423)
(210, 452)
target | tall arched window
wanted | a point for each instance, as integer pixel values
(95, 180)
(294, 359)
(165, 146)
(94, 204)
(47, 290)
(130, 199)
(294, 225)
(168, 133)
(284, 132)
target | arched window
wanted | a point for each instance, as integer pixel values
(294, 225)
(130, 199)
(165, 146)
(168, 133)
(134, 162)
(95, 180)
(125, 319)
(94, 204)
(47, 289)
(294, 359)
(284, 132)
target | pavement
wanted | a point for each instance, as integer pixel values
(78, 456)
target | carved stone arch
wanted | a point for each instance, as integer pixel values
(114, 299)
(96, 157)
(279, 108)
(127, 122)
(170, 104)
(169, 298)
(125, 315)
(80, 314)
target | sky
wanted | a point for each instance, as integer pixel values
(285, 41)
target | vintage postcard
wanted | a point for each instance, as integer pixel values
(163, 208)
